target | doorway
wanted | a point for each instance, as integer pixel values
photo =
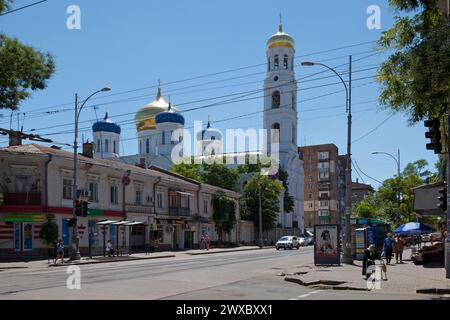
(23, 236)
(189, 239)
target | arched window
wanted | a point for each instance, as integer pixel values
(106, 145)
(285, 62)
(163, 137)
(276, 132)
(114, 147)
(275, 99)
(140, 146)
(276, 63)
(99, 145)
(147, 146)
(268, 64)
(292, 63)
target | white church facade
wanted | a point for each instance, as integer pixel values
(157, 122)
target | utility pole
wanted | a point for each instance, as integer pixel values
(347, 257)
(75, 253)
(261, 243)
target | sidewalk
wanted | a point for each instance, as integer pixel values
(405, 278)
(133, 257)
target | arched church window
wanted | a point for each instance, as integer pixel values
(268, 64)
(276, 62)
(292, 63)
(106, 145)
(147, 146)
(99, 145)
(285, 62)
(276, 132)
(163, 137)
(275, 99)
(114, 147)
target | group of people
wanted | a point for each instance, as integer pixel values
(205, 242)
(390, 246)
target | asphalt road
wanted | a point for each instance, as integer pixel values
(246, 275)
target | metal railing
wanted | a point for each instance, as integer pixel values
(175, 211)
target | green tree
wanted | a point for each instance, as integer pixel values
(5, 5)
(22, 69)
(288, 200)
(220, 175)
(367, 208)
(216, 174)
(49, 231)
(188, 170)
(224, 215)
(270, 193)
(416, 78)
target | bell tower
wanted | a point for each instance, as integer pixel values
(280, 113)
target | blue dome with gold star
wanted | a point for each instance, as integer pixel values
(169, 116)
(106, 125)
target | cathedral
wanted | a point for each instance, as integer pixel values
(157, 122)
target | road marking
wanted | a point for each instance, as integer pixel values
(307, 295)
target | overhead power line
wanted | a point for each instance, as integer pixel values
(21, 8)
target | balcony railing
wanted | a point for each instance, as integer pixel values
(184, 212)
(137, 208)
(23, 199)
(324, 197)
(323, 186)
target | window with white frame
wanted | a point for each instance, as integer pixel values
(93, 191)
(138, 197)
(205, 206)
(159, 200)
(67, 189)
(323, 155)
(114, 195)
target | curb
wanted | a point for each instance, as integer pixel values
(434, 291)
(107, 261)
(233, 250)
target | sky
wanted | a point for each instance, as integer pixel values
(129, 45)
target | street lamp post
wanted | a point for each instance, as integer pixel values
(75, 249)
(397, 160)
(347, 257)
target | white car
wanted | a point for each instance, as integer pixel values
(288, 242)
(302, 241)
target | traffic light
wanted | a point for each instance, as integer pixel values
(71, 222)
(434, 134)
(443, 199)
(84, 208)
(78, 208)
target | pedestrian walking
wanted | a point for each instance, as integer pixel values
(399, 244)
(207, 242)
(388, 245)
(202, 242)
(60, 251)
(370, 255)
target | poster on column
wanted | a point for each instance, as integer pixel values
(326, 245)
(83, 232)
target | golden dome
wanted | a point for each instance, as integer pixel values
(281, 39)
(145, 117)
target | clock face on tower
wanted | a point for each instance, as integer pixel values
(275, 78)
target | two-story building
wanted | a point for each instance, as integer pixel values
(132, 206)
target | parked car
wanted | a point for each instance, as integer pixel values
(302, 241)
(288, 242)
(309, 241)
